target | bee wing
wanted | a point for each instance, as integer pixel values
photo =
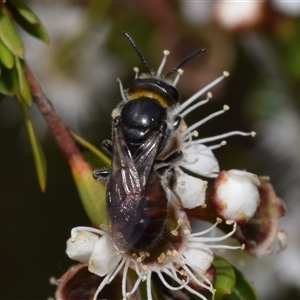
(126, 199)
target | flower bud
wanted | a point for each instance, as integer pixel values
(236, 196)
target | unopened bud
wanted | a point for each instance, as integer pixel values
(236, 195)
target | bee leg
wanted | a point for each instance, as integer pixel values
(169, 161)
(107, 146)
(102, 175)
(176, 122)
(174, 157)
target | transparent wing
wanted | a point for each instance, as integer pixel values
(126, 198)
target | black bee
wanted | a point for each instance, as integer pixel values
(142, 175)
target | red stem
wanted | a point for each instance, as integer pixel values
(56, 125)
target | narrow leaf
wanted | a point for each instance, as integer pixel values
(9, 81)
(38, 153)
(95, 156)
(27, 19)
(24, 11)
(6, 56)
(9, 35)
(24, 91)
(92, 192)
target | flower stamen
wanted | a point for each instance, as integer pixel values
(124, 98)
(162, 64)
(221, 136)
(193, 107)
(202, 91)
(201, 122)
(179, 73)
(136, 71)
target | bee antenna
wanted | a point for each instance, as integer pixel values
(138, 51)
(184, 61)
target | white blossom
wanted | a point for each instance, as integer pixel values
(191, 261)
(236, 195)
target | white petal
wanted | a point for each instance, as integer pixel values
(80, 247)
(199, 259)
(104, 258)
(200, 160)
(252, 177)
(237, 194)
(191, 190)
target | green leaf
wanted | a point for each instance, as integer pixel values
(24, 93)
(243, 289)
(225, 278)
(9, 35)
(38, 153)
(24, 10)
(93, 155)
(8, 81)
(6, 56)
(92, 192)
(28, 20)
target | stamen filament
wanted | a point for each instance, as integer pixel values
(193, 107)
(211, 116)
(179, 73)
(204, 231)
(136, 285)
(117, 269)
(122, 90)
(213, 147)
(172, 288)
(221, 136)
(215, 239)
(208, 287)
(162, 64)
(148, 284)
(200, 93)
(125, 270)
(136, 71)
(101, 286)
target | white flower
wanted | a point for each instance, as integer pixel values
(186, 264)
(199, 158)
(236, 195)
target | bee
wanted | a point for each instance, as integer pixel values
(142, 175)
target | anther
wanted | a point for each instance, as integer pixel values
(179, 73)
(229, 222)
(253, 133)
(53, 280)
(186, 232)
(226, 73)
(225, 107)
(161, 258)
(195, 133)
(243, 247)
(219, 220)
(136, 71)
(223, 143)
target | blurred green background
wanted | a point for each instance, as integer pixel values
(257, 42)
